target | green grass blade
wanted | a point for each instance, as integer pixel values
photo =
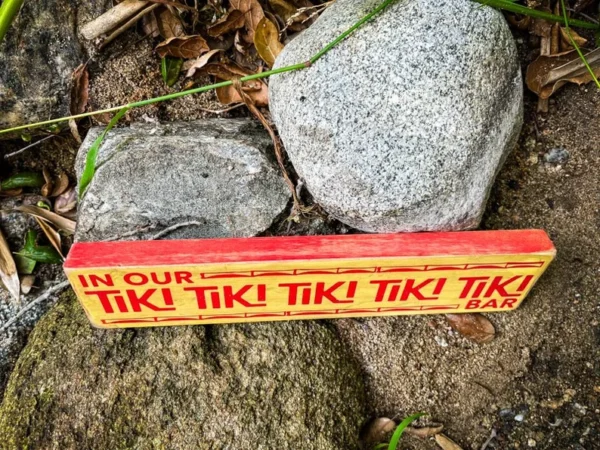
(574, 44)
(380, 447)
(511, 6)
(8, 11)
(393, 445)
(92, 155)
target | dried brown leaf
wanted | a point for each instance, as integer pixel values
(475, 327)
(75, 130)
(61, 184)
(548, 73)
(47, 187)
(51, 234)
(62, 223)
(228, 95)
(80, 87)
(66, 202)
(187, 47)
(233, 21)
(199, 63)
(424, 432)
(266, 41)
(8, 270)
(150, 25)
(253, 14)
(286, 10)
(239, 44)
(27, 283)
(11, 192)
(169, 24)
(579, 40)
(376, 430)
(446, 443)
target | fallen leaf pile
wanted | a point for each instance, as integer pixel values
(558, 62)
(53, 213)
(225, 40)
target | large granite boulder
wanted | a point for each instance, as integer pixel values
(208, 178)
(404, 125)
(245, 387)
(38, 56)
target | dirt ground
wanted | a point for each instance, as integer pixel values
(537, 385)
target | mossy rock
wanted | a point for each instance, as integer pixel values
(250, 386)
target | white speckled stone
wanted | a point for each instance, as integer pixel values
(404, 125)
(206, 178)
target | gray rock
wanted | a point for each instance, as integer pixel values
(556, 156)
(404, 125)
(212, 175)
(38, 56)
(244, 387)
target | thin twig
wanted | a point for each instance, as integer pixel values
(131, 22)
(175, 227)
(221, 111)
(53, 290)
(18, 152)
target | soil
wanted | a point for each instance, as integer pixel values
(537, 385)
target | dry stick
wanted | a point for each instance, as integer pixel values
(10, 155)
(276, 143)
(255, 76)
(131, 22)
(112, 18)
(54, 289)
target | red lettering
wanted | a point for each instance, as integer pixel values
(508, 303)
(103, 296)
(238, 297)
(201, 296)
(138, 302)
(382, 288)
(321, 293)
(415, 291)
(472, 304)
(165, 280)
(470, 282)
(498, 286)
(180, 277)
(293, 292)
(129, 279)
(490, 304)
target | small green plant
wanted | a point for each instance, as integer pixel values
(512, 6)
(38, 253)
(22, 180)
(92, 155)
(8, 11)
(395, 440)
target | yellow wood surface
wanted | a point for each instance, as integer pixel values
(253, 292)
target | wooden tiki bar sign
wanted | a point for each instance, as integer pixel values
(152, 283)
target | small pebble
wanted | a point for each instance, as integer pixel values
(519, 417)
(556, 156)
(441, 341)
(531, 442)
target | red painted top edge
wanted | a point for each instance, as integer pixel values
(294, 248)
